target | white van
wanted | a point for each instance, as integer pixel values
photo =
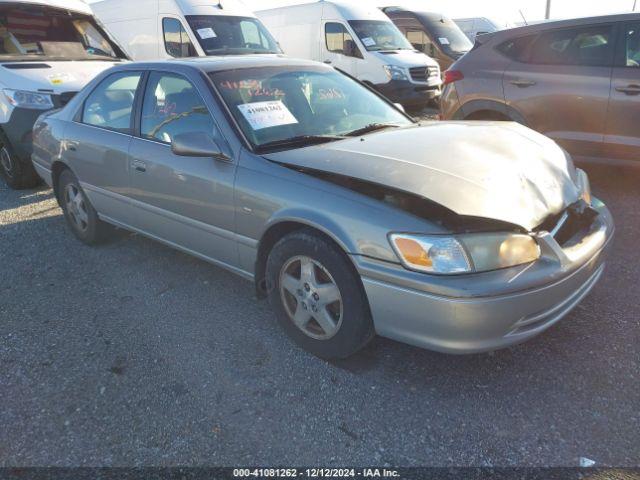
(161, 29)
(49, 50)
(360, 40)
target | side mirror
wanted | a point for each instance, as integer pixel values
(197, 144)
(400, 107)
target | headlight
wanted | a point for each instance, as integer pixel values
(38, 101)
(396, 73)
(459, 254)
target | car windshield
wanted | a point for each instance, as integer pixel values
(378, 35)
(449, 36)
(47, 33)
(291, 107)
(228, 35)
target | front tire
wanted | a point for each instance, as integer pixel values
(318, 296)
(80, 215)
(17, 174)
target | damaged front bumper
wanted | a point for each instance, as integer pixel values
(493, 310)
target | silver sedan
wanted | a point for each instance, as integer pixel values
(350, 218)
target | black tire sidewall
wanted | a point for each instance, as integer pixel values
(23, 175)
(91, 235)
(357, 327)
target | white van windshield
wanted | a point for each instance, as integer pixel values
(378, 35)
(51, 33)
(228, 35)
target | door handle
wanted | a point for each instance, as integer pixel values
(629, 90)
(328, 62)
(139, 166)
(523, 83)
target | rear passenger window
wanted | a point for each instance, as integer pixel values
(517, 48)
(590, 46)
(110, 105)
(633, 45)
(173, 106)
(176, 39)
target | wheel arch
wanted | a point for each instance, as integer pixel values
(474, 109)
(281, 227)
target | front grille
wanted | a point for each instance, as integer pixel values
(422, 74)
(566, 226)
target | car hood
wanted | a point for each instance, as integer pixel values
(55, 76)
(494, 170)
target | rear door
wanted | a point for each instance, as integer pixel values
(97, 144)
(185, 201)
(622, 138)
(561, 86)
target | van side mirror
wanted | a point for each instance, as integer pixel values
(197, 144)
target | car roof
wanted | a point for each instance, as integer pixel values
(574, 22)
(231, 62)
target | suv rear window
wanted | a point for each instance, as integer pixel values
(517, 48)
(589, 46)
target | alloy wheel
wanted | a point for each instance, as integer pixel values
(76, 206)
(311, 297)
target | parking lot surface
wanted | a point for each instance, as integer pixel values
(135, 354)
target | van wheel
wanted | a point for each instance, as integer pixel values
(17, 174)
(318, 296)
(80, 215)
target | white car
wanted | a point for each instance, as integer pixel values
(49, 50)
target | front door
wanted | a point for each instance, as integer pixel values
(561, 87)
(184, 201)
(340, 48)
(622, 140)
(97, 145)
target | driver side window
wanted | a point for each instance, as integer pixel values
(172, 106)
(110, 105)
(339, 40)
(176, 40)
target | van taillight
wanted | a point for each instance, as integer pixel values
(451, 76)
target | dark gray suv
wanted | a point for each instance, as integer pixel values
(577, 81)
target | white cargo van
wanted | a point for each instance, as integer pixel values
(161, 29)
(360, 40)
(49, 50)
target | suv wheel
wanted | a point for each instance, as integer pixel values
(16, 173)
(318, 297)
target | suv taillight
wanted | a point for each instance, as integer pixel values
(451, 76)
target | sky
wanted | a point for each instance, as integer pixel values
(501, 10)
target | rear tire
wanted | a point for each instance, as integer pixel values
(80, 215)
(17, 173)
(318, 296)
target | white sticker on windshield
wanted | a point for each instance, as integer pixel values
(368, 42)
(443, 40)
(267, 114)
(206, 33)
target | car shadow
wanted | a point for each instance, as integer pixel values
(23, 197)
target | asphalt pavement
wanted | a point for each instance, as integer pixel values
(132, 354)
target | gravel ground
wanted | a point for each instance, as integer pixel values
(134, 354)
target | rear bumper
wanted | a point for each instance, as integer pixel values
(409, 94)
(469, 324)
